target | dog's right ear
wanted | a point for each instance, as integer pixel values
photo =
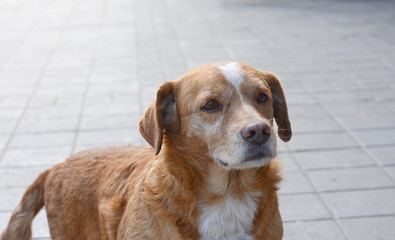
(159, 116)
(279, 106)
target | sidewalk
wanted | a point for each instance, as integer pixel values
(79, 73)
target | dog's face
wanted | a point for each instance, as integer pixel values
(223, 110)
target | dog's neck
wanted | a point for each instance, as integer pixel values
(182, 184)
(205, 176)
(219, 182)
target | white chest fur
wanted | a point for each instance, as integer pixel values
(230, 219)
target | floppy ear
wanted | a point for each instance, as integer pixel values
(279, 106)
(159, 116)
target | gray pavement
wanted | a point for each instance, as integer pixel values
(79, 73)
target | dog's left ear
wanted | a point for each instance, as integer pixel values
(279, 106)
(161, 115)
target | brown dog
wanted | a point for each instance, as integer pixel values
(211, 173)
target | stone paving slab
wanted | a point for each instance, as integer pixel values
(303, 207)
(25, 176)
(312, 230)
(333, 159)
(378, 228)
(29, 157)
(362, 203)
(350, 179)
(79, 73)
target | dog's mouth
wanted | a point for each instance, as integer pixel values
(223, 163)
(256, 156)
(244, 156)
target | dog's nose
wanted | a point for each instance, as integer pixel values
(257, 133)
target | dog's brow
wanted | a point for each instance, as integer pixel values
(206, 94)
(233, 74)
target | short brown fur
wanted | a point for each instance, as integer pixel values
(153, 192)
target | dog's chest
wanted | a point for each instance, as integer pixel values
(229, 219)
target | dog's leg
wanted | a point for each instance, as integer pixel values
(20, 223)
(111, 212)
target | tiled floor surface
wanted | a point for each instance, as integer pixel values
(79, 73)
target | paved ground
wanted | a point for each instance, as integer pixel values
(79, 73)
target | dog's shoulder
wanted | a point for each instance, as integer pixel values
(112, 150)
(103, 163)
(113, 153)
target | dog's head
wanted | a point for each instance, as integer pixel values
(224, 111)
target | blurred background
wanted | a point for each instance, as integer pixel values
(79, 73)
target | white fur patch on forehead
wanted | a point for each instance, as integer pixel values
(233, 74)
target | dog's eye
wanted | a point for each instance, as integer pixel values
(211, 106)
(261, 98)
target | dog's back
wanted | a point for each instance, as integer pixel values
(75, 186)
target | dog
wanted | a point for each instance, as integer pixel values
(211, 171)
